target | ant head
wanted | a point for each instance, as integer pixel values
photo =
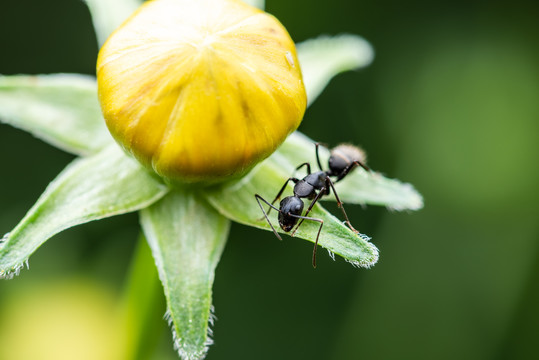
(343, 155)
(289, 206)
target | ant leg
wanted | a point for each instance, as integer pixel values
(305, 164)
(317, 235)
(340, 204)
(258, 198)
(280, 193)
(282, 189)
(299, 167)
(315, 200)
(350, 168)
(317, 145)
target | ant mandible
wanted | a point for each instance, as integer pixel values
(343, 159)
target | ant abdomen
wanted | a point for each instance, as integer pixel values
(343, 159)
(343, 155)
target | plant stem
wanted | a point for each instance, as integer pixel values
(142, 306)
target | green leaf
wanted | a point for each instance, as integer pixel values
(106, 184)
(60, 109)
(359, 186)
(256, 3)
(324, 57)
(237, 201)
(187, 237)
(375, 189)
(108, 15)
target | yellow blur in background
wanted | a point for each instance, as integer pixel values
(450, 104)
(64, 319)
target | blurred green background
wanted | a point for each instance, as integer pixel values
(450, 104)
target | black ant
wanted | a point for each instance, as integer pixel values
(343, 159)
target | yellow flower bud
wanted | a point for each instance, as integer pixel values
(200, 90)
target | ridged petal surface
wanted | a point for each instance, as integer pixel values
(200, 90)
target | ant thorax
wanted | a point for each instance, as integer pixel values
(314, 186)
(316, 180)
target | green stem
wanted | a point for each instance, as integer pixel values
(142, 306)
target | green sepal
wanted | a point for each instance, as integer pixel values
(106, 184)
(256, 3)
(61, 109)
(359, 186)
(108, 15)
(187, 237)
(326, 56)
(237, 201)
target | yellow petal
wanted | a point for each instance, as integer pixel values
(200, 90)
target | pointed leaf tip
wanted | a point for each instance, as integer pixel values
(324, 57)
(237, 201)
(106, 184)
(359, 187)
(187, 238)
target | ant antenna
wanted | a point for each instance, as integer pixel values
(258, 198)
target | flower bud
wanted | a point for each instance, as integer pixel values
(200, 90)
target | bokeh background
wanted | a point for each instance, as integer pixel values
(450, 104)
